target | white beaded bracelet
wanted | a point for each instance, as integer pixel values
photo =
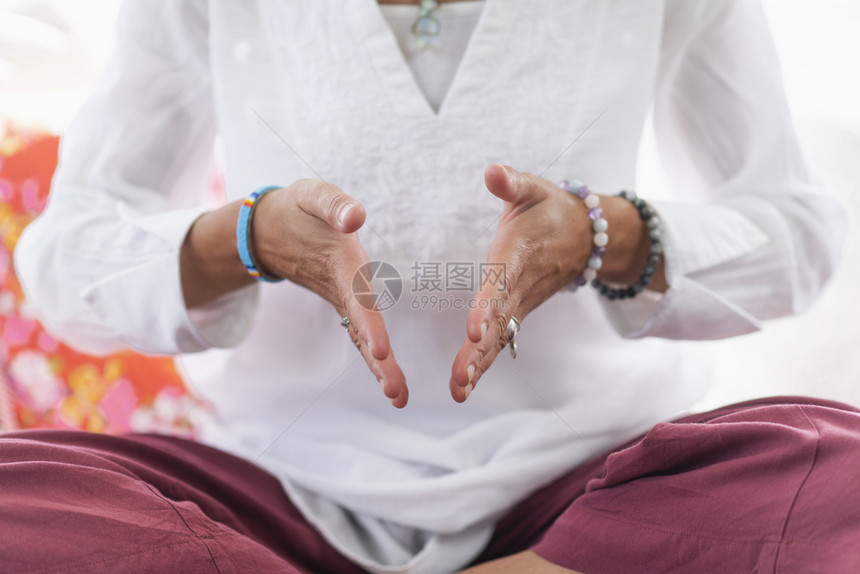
(598, 224)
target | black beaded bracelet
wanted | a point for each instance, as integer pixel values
(655, 233)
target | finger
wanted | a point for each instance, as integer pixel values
(491, 311)
(512, 185)
(390, 378)
(474, 361)
(368, 320)
(530, 294)
(493, 294)
(474, 358)
(328, 202)
(501, 278)
(387, 372)
(469, 362)
(368, 328)
(402, 398)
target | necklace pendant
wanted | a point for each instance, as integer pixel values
(426, 27)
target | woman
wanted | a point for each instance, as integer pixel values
(361, 154)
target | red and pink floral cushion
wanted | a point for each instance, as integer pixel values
(44, 383)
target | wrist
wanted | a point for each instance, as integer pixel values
(628, 241)
(628, 249)
(208, 263)
(265, 245)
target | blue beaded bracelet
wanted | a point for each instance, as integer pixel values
(243, 235)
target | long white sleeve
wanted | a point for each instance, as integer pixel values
(760, 235)
(101, 264)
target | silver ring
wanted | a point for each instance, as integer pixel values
(511, 333)
(344, 322)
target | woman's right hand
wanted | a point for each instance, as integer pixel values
(305, 233)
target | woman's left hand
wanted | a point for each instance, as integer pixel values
(543, 241)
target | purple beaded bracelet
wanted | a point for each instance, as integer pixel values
(598, 225)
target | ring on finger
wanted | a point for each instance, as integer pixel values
(344, 322)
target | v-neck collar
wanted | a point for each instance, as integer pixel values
(376, 36)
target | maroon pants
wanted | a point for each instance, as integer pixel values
(765, 486)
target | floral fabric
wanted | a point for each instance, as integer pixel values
(43, 382)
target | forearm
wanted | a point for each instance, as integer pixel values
(209, 259)
(628, 247)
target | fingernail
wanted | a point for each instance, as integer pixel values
(344, 212)
(484, 327)
(470, 372)
(467, 390)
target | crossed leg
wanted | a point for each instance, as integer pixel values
(762, 486)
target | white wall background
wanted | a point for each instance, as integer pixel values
(52, 50)
(817, 353)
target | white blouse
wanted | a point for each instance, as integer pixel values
(559, 88)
